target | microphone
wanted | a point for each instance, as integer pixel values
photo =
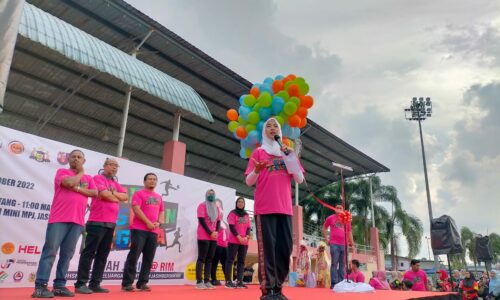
(277, 138)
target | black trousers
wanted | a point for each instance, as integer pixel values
(232, 250)
(274, 241)
(97, 246)
(219, 256)
(144, 242)
(206, 252)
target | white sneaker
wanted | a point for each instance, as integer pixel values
(200, 286)
(209, 286)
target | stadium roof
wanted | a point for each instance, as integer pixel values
(83, 107)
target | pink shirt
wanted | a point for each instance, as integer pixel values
(201, 234)
(357, 276)
(273, 193)
(102, 210)
(241, 224)
(337, 233)
(151, 205)
(222, 236)
(418, 278)
(68, 205)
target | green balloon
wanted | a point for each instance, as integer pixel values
(295, 100)
(303, 87)
(280, 120)
(242, 121)
(254, 118)
(250, 127)
(284, 95)
(232, 126)
(265, 99)
(284, 116)
(300, 80)
(257, 106)
(249, 100)
(289, 109)
(288, 84)
(248, 152)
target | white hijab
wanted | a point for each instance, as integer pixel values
(270, 145)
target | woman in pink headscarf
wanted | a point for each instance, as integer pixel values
(379, 282)
(443, 283)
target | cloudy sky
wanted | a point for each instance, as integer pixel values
(364, 61)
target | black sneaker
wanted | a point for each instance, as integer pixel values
(270, 296)
(98, 289)
(42, 292)
(280, 295)
(128, 288)
(83, 289)
(143, 288)
(62, 292)
(241, 285)
(216, 282)
(230, 285)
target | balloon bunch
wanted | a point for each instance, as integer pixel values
(345, 217)
(284, 98)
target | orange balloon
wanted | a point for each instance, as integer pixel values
(306, 101)
(301, 112)
(303, 123)
(286, 141)
(285, 80)
(255, 91)
(294, 121)
(277, 86)
(294, 90)
(241, 132)
(292, 76)
(232, 114)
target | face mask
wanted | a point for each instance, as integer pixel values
(211, 198)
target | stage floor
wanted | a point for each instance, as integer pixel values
(186, 292)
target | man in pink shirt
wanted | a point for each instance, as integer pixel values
(337, 244)
(356, 275)
(72, 188)
(144, 229)
(100, 228)
(416, 276)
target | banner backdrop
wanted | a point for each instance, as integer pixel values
(28, 164)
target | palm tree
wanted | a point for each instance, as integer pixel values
(469, 243)
(358, 200)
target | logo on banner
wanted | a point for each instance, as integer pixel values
(8, 263)
(3, 276)
(63, 158)
(28, 249)
(16, 147)
(169, 186)
(18, 276)
(8, 248)
(40, 155)
(32, 277)
(121, 239)
(27, 263)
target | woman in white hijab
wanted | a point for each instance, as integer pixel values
(272, 209)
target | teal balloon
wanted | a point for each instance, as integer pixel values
(253, 117)
(295, 133)
(242, 99)
(232, 126)
(260, 126)
(290, 108)
(268, 81)
(277, 105)
(243, 111)
(265, 113)
(279, 77)
(286, 130)
(266, 88)
(243, 153)
(253, 138)
(265, 99)
(249, 100)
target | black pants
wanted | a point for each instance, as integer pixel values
(144, 242)
(274, 241)
(206, 252)
(232, 250)
(219, 256)
(97, 246)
